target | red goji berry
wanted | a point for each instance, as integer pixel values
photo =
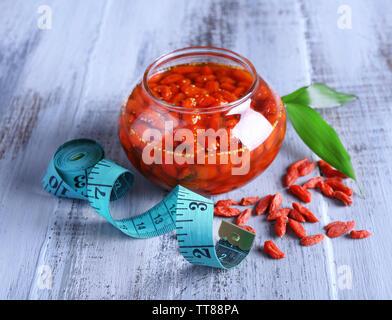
(272, 250)
(338, 186)
(248, 201)
(360, 234)
(171, 78)
(280, 226)
(298, 164)
(226, 211)
(276, 202)
(263, 205)
(312, 183)
(337, 228)
(333, 179)
(301, 193)
(329, 171)
(311, 240)
(347, 201)
(307, 168)
(297, 228)
(294, 214)
(326, 189)
(278, 213)
(248, 228)
(291, 177)
(309, 216)
(292, 171)
(244, 216)
(227, 203)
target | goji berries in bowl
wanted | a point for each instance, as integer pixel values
(203, 118)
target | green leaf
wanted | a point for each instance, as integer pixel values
(318, 95)
(320, 137)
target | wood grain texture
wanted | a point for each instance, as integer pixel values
(68, 82)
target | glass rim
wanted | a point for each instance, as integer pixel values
(202, 50)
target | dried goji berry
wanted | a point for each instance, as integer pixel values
(292, 171)
(329, 171)
(276, 202)
(337, 230)
(226, 211)
(347, 201)
(326, 189)
(333, 179)
(248, 228)
(307, 168)
(312, 183)
(297, 164)
(278, 213)
(272, 250)
(244, 216)
(360, 234)
(311, 240)
(263, 205)
(248, 201)
(301, 193)
(294, 214)
(291, 177)
(227, 203)
(338, 186)
(280, 226)
(297, 228)
(309, 216)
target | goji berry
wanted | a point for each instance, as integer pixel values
(297, 228)
(248, 201)
(309, 216)
(326, 189)
(227, 203)
(278, 213)
(337, 230)
(248, 228)
(280, 226)
(301, 193)
(312, 183)
(333, 179)
(226, 211)
(292, 171)
(329, 171)
(298, 164)
(338, 186)
(276, 202)
(347, 201)
(244, 216)
(294, 214)
(272, 250)
(263, 205)
(311, 240)
(307, 168)
(360, 234)
(171, 78)
(291, 177)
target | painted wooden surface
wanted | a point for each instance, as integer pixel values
(68, 82)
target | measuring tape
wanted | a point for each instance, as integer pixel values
(79, 170)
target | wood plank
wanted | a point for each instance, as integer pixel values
(357, 60)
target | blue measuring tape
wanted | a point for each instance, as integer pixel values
(79, 170)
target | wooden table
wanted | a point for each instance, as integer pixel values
(68, 82)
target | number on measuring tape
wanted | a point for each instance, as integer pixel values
(79, 170)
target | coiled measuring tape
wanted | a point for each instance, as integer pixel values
(79, 170)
